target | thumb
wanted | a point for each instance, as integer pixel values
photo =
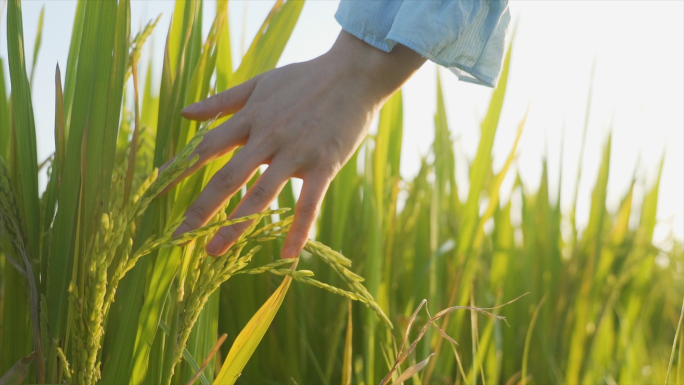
(224, 103)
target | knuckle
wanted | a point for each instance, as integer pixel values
(203, 149)
(307, 158)
(277, 137)
(246, 114)
(319, 153)
(222, 234)
(308, 208)
(195, 216)
(231, 233)
(300, 235)
(327, 170)
(261, 142)
(267, 139)
(297, 158)
(320, 157)
(224, 179)
(223, 99)
(258, 195)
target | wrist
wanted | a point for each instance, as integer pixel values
(379, 73)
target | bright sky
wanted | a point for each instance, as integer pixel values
(639, 86)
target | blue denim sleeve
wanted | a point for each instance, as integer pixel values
(466, 36)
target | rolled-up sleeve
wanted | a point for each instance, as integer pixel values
(466, 36)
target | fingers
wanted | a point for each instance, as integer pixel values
(223, 103)
(220, 188)
(257, 199)
(306, 210)
(216, 143)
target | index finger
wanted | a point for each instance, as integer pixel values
(224, 103)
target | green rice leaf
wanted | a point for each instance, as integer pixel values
(25, 138)
(114, 97)
(72, 59)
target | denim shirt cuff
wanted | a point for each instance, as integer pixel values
(465, 36)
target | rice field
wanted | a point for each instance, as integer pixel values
(405, 282)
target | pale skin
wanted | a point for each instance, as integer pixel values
(304, 120)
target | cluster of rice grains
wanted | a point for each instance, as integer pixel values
(111, 252)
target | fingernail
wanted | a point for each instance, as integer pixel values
(215, 245)
(288, 252)
(182, 229)
(190, 109)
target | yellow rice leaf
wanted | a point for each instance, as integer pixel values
(347, 360)
(250, 336)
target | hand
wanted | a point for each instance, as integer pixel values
(304, 120)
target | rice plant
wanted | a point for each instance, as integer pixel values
(94, 289)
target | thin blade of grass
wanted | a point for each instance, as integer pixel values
(36, 44)
(528, 340)
(674, 345)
